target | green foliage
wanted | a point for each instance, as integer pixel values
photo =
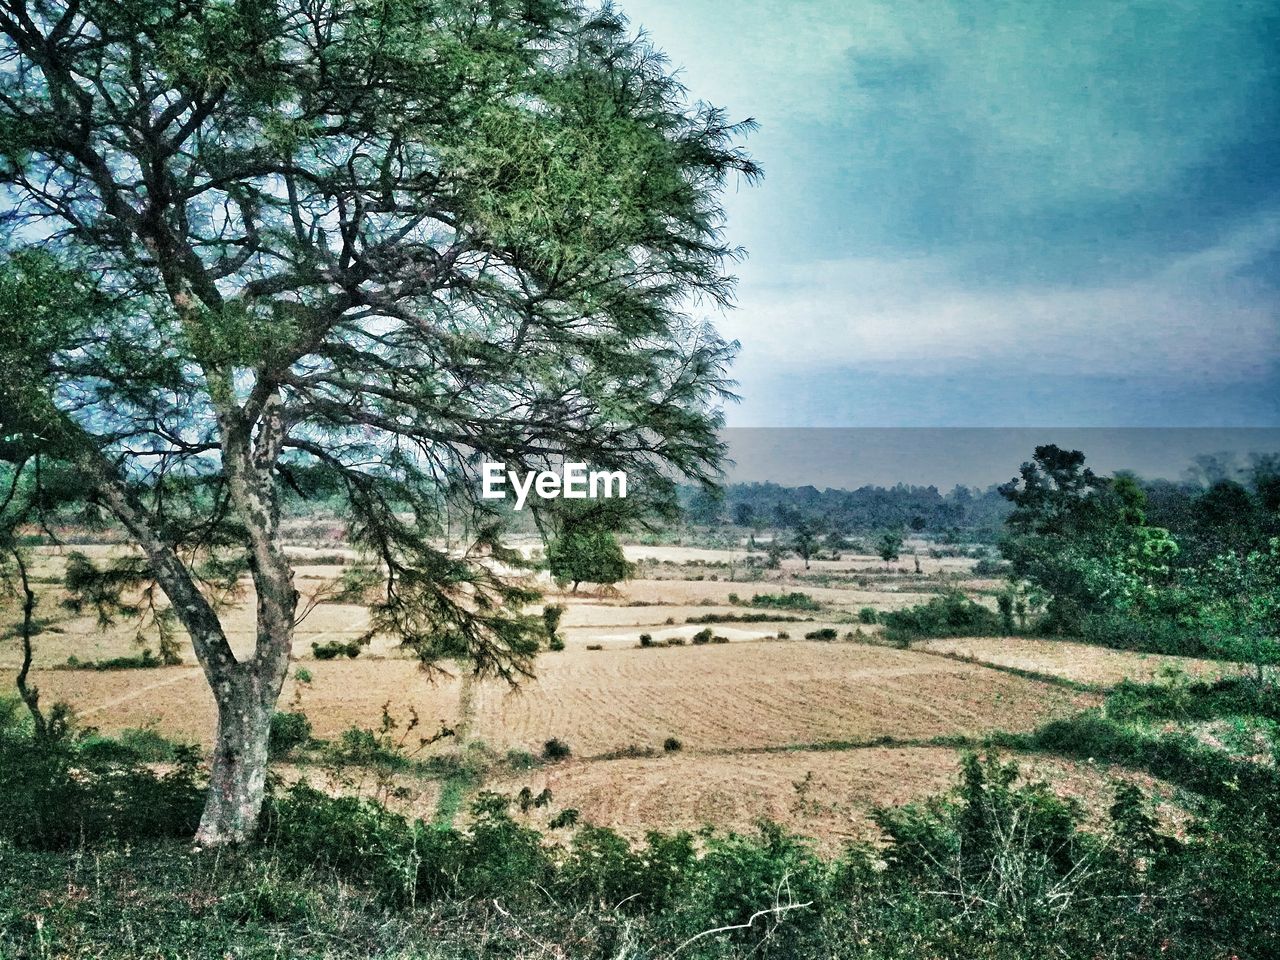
(146, 660)
(1082, 541)
(951, 614)
(1000, 868)
(551, 614)
(785, 601)
(555, 749)
(1238, 606)
(825, 633)
(332, 649)
(744, 618)
(889, 546)
(585, 554)
(290, 730)
(867, 615)
(57, 793)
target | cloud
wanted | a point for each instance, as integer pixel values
(1200, 314)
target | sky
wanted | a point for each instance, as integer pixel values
(998, 213)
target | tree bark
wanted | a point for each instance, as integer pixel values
(237, 781)
(30, 695)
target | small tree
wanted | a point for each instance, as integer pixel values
(889, 546)
(806, 541)
(587, 554)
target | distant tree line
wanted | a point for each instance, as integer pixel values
(962, 514)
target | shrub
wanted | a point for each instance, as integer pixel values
(56, 795)
(289, 731)
(867, 615)
(595, 646)
(551, 614)
(949, 615)
(646, 640)
(825, 633)
(555, 749)
(783, 635)
(785, 601)
(672, 745)
(565, 818)
(555, 643)
(675, 641)
(703, 636)
(333, 649)
(744, 618)
(142, 661)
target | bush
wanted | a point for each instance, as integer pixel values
(867, 615)
(56, 795)
(333, 649)
(744, 618)
(551, 614)
(672, 745)
(289, 731)
(555, 643)
(825, 633)
(949, 615)
(646, 640)
(555, 749)
(703, 636)
(1150, 634)
(786, 601)
(595, 646)
(145, 660)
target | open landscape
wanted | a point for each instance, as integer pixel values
(812, 734)
(453, 506)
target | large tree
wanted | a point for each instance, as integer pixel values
(382, 240)
(1082, 541)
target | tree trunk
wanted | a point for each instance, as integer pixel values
(30, 695)
(237, 781)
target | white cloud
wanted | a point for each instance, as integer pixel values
(1196, 316)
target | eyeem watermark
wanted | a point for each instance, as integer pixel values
(574, 482)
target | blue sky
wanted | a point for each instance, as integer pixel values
(999, 213)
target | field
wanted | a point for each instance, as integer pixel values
(766, 723)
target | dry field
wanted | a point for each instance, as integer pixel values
(1075, 661)
(770, 724)
(829, 795)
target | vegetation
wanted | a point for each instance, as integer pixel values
(587, 554)
(94, 864)
(950, 615)
(1085, 549)
(347, 250)
(785, 601)
(889, 546)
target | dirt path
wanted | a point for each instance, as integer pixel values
(179, 675)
